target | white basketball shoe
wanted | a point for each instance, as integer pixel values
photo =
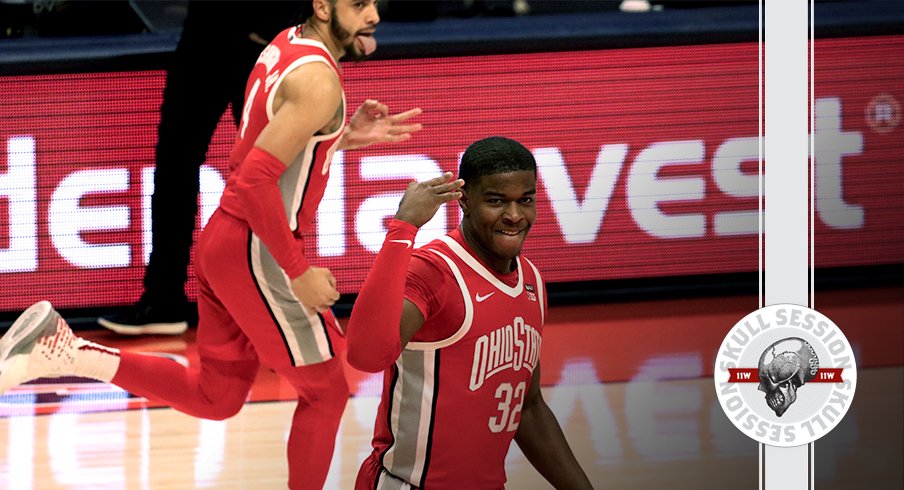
(40, 344)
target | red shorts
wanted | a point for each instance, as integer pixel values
(246, 308)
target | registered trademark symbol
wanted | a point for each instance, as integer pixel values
(883, 113)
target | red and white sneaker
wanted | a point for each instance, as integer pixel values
(39, 344)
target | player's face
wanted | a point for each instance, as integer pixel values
(353, 23)
(498, 211)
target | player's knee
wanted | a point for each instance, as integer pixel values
(226, 388)
(223, 411)
(224, 408)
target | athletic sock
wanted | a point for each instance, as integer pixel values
(95, 361)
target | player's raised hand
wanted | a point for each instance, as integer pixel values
(423, 199)
(316, 289)
(372, 123)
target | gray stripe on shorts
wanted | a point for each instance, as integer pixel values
(404, 448)
(305, 335)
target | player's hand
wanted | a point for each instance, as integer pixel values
(316, 289)
(423, 199)
(371, 123)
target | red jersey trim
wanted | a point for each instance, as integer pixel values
(304, 41)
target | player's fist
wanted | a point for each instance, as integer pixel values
(423, 199)
(316, 289)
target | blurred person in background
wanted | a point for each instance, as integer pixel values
(220, 43)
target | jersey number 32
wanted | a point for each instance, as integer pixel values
(510, 401)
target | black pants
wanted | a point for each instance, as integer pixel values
(208, 73)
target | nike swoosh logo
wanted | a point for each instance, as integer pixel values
(407, 243)
(481, 299)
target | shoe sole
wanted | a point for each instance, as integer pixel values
(170, 328)
(18, 343)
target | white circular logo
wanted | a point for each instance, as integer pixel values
(785, 375)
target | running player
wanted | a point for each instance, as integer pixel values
(259, 300)
(458, 337)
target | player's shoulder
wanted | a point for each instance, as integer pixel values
(296, 49)
(431, 245)
(431, 259)
(428, 252)
(298, 54)
(316, 81)
(433, 249)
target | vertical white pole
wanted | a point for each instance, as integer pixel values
(786, 241)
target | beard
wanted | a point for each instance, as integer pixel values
(345, 38)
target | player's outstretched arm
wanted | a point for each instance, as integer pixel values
(371, 123)
(382, 321)
(541, 440)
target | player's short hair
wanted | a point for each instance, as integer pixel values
(494, 155)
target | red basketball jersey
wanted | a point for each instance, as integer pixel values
(304, 181)
(452, 402)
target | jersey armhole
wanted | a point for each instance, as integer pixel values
(541, 290)
(311, 58)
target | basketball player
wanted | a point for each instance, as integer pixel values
(225, 38)
(458, 336)
(259, 300)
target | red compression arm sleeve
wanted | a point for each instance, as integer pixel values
(374, 336)
(258, 191)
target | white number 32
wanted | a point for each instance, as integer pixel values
(505, 420)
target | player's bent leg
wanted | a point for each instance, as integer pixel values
(40, 344)
(322, 395)
(216, 390)
(217, 387)
(239, 281)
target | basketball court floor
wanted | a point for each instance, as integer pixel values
(630, 383)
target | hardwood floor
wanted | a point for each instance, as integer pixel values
(634, 396)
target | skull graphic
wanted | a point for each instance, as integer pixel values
(784, 367)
